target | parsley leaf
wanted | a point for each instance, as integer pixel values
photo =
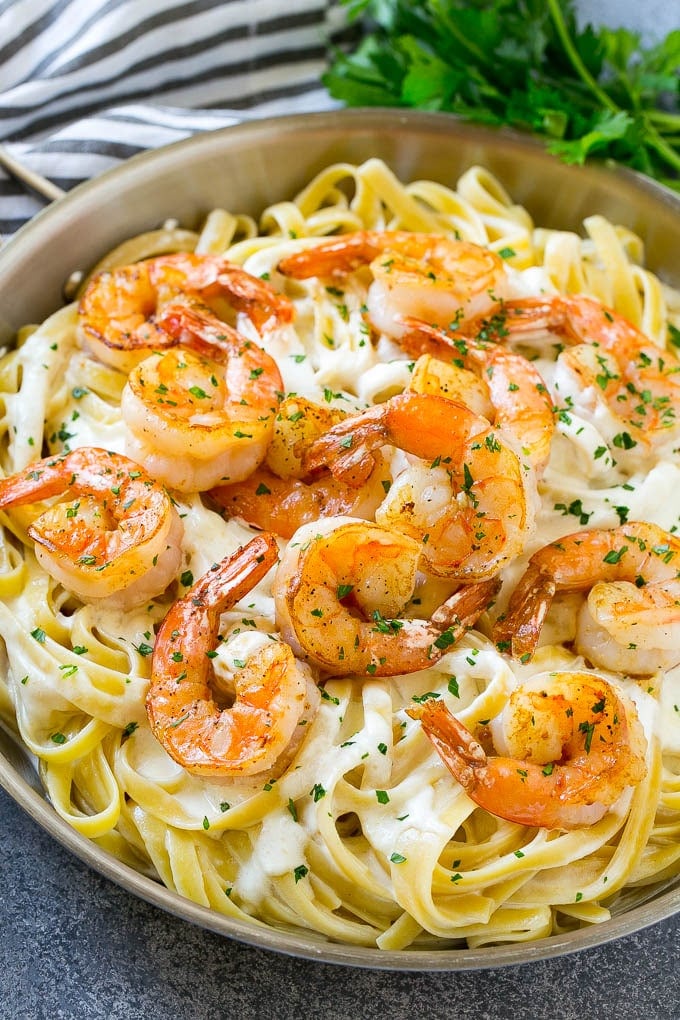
(526, 64)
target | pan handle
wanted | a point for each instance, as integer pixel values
(32, 180)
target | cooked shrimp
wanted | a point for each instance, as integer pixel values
(339, 589)
(612, 360)
(517, 399)
(271, 690)
(117, 538)
(298, 423)
(192, 422)
(631, 619)
(281, 496)
(119, 307)
(471, 504)
(425, 276)
(283, 505)
(568, 745)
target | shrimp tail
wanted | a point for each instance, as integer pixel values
(346, 448)
(34, 483)
(518, 629)
(334, 257)
(190, 323)
(458, 749)
(427, 338)
(423, 339)
(256, 298)
(231, 580)
(53, 476)
(462, 610)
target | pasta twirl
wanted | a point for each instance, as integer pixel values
(362, 834)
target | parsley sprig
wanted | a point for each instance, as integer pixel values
(522, 63)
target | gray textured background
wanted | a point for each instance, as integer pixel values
(73, 946)
(651, 18)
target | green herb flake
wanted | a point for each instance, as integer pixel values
(428, 696)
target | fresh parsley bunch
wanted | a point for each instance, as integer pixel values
(522, 63)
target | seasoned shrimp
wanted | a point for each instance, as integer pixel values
(424, 276)
(273, 692)
(281, 496)
(339, 587)
(117, 538)
(192, 421)
(283, 505)
(569, 744)
(630, 621)
(508, 388)
(118, 311)
(471, 504)
(608, 359)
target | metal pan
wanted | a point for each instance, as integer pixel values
(245, 168)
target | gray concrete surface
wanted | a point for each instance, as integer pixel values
(73, 946)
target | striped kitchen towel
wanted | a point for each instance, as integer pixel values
(86, 83)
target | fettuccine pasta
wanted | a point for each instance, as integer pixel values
(359, 830)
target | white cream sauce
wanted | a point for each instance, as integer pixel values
(338, 365)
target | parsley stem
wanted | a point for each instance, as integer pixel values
(576, 62)
(669, 121)
(661, 147)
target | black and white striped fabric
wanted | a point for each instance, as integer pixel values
(85, 84)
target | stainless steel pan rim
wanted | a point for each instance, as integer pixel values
(309, 945)
(233, 166)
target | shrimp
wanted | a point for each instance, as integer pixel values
(283, 505)
(281, 496)
(471, 504)
(192, 421)
(273, 692)
(118, 311)
(630, 621)
(424, 276)
(608, 359)
(510, 391)
(569, 744)
(338, 589)
(117, 538)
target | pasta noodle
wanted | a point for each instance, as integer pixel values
(365, 837)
